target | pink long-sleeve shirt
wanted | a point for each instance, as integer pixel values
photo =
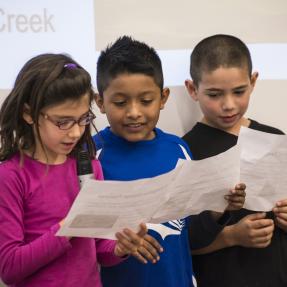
(33, 200)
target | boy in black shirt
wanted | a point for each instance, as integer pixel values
(252, 249)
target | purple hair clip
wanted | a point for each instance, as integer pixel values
(70, 66)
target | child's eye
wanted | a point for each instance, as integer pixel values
(213, 95)
(64, 124)
(147, 101)
(239, 92)
(119, 103)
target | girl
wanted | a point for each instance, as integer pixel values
(44, 122)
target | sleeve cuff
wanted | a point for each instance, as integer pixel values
(63, 239)
(203, 229)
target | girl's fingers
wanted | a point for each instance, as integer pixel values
(141, 245)
(139, 257)
(145, 253)
(150, 249)
(153, 243)
(126, 243)
(143, 230)
(134, 237)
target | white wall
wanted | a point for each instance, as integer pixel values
(83, 28)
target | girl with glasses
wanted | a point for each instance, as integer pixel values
(44, 122)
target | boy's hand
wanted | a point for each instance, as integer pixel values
(253, 230)
(236, 197)
(140, 245)
(280, 211)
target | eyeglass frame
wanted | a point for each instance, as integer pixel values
(91, 116)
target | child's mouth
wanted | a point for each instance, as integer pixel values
(134, 126)
(229, 119)
(69, 145)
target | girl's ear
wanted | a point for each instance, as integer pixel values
(27, 115)
(164, 97)
(191, 89)
(100, 103)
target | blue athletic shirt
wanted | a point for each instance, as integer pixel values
(124, 160)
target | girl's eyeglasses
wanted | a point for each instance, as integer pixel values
(67, 124)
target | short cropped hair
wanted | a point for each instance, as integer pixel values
(218, 51)
(127, 56)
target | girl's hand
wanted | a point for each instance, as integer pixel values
(140, 245)
(236, 197)
(280, 211)
(61, 223)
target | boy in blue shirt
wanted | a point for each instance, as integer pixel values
(252, 249)
(131, 94)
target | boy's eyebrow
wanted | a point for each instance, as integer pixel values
(240, 87)
(118, 94)
(147, 92)
(217, 89)
(121, 94)
(213, 90)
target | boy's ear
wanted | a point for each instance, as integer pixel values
(191, 89)
(254, 78)
(27, 115)
(100, 103)
(164, 97)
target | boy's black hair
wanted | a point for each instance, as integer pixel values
(128, 56)
(218, 51)
(44, 81)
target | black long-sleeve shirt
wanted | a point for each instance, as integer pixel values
(234, 266)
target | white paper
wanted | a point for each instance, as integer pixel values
(263, 168)
(105, 207)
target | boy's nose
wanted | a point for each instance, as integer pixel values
(133, 111)
(228, 103)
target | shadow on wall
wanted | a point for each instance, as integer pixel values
(180, 113)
